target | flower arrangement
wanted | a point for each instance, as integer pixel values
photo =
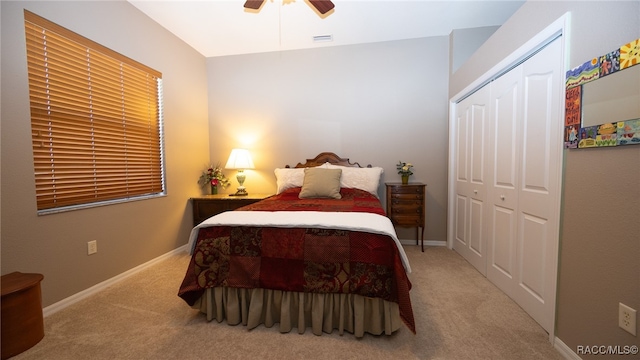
(404, 168)
(213, 176)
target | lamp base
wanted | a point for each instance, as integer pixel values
(238, 193)
(241, 192)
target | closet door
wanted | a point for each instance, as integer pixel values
(471, 186)
(506, 117)
(540, 174)
(524, 195)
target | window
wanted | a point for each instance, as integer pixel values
(96, 121)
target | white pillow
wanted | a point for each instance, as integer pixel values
(367, 179)
(287, 178)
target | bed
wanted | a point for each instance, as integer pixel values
(320, 254)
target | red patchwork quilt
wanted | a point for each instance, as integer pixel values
(353, 200)
(301, 259)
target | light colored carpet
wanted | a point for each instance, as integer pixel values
(459, 315)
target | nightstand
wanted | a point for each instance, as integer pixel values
(406, 206)
(206, 206)
(22, 324)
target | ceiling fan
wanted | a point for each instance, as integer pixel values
(323, 6)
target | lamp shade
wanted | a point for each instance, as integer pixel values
(239, 159)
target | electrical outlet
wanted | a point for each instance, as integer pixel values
(627, 318)
(92, 247)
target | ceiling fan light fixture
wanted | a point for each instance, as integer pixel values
(253, 4)
(323, 6)
(323, 38)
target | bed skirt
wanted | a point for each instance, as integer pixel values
(321, 312)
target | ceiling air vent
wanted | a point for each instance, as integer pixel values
(322, 38)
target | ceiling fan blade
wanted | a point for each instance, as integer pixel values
(253, 4)
(323, 6)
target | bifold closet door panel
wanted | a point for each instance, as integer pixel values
(504, 165)
(539, 183)
(523, 195)
(472, 134)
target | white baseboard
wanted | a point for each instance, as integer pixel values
(52, 309)
(426, 242)
(565, 351)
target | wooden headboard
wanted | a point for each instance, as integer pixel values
(329, 157)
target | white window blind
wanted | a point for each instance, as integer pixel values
(96, 120)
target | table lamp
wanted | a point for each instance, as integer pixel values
(240, 159)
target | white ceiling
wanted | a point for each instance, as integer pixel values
(224, 27)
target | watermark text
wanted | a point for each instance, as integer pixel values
(607, 349)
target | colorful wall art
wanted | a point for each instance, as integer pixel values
(615, 133)
(572, 116)
(628, 132)
(586, 72)
(630, 54)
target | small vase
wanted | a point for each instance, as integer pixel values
(405, 179)
(214, 189)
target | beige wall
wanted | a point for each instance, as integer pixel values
(373, 103)
(127, 234)
(599, 241)
(464, 42)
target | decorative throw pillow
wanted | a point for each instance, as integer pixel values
(367, 179)
(321, 183)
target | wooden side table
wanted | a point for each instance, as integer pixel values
(22, 324)
(206, 206)
(406, 206)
